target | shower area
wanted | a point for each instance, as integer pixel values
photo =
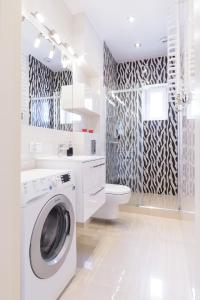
(142, 131)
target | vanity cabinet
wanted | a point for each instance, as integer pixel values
(90, 181)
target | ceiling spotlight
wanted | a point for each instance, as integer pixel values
(52, 52)
(56, 37)
(38, 41)
(131, 19)
(39, 17)
(138, 45)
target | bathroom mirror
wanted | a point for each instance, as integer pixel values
(44, 74)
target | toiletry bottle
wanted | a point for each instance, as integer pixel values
(70, 149)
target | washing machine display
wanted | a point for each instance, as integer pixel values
(52, 236)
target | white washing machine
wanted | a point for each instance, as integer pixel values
(48, 249)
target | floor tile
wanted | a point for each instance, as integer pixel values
(137, 257)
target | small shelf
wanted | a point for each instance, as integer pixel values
(80, 99)
(83, 111)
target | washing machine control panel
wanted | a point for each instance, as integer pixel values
(34, 188)
(65, 177)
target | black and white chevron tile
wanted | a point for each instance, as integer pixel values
(110, 83)
(110, 70)
(142, 72)
(146, 155)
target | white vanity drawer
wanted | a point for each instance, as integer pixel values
(94, 175)
(93, 201)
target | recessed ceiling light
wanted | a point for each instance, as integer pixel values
(131, 19)
(138, 45)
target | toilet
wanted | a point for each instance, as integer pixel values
(115, 196)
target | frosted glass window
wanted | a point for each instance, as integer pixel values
(155, 103)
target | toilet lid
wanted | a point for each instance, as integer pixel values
(117, 189)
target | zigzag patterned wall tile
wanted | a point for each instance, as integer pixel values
(146, 155)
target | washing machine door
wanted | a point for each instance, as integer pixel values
(52, 236)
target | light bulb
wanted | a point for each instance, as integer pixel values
(52, 52)
(38, 41)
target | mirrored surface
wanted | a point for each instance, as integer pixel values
(45, 74)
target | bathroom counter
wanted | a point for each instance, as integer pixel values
(78, 158)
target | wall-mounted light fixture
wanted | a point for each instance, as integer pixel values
(54, 38)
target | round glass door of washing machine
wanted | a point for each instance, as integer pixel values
(52, 236)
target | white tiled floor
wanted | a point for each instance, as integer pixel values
(139, 257)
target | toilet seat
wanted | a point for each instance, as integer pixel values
(115, 189)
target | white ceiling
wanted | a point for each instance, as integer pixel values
(109, 18)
